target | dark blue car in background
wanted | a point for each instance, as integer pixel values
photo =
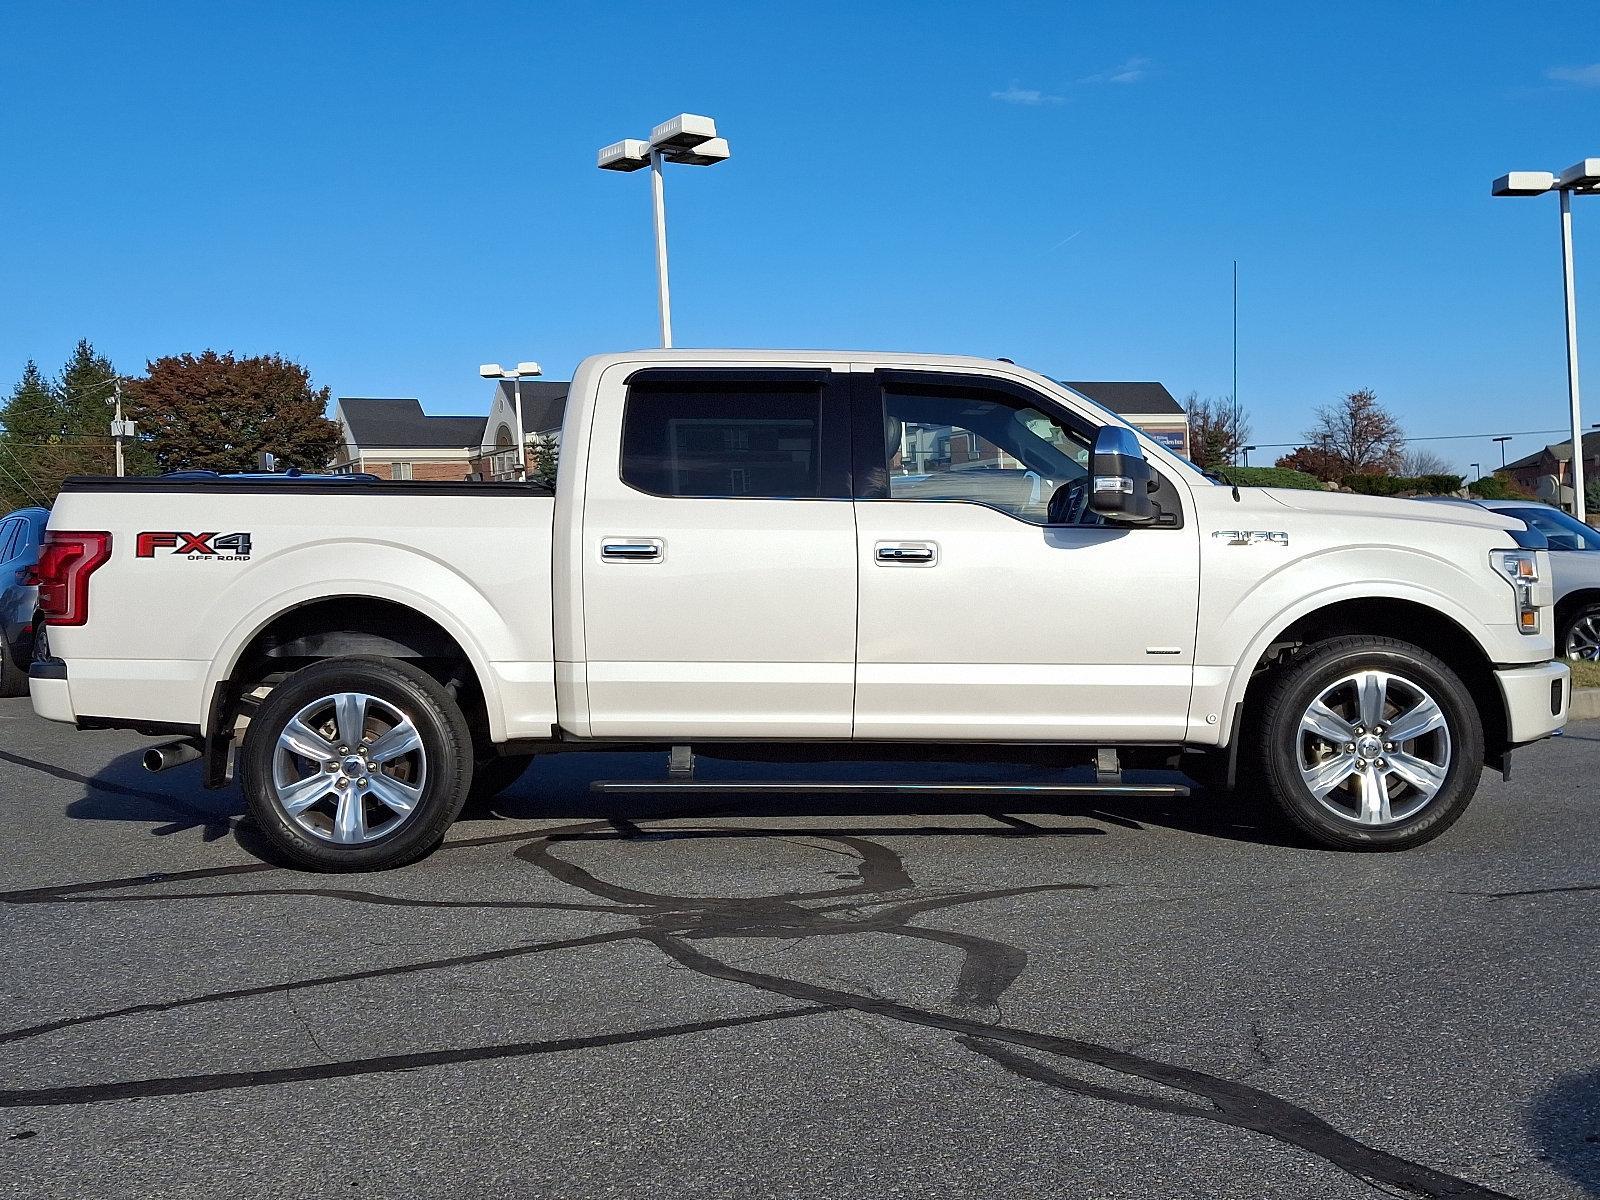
(21, 533)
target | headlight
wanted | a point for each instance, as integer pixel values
(1520, 568)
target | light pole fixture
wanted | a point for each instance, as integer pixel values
(523, 370)
(1503, 440)
(688, 139)
(1581, 178)
(1477, 470)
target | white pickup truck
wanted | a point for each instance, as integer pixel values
(801, 555)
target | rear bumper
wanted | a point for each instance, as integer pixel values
(1536, 699)
(51, 694)
(150, 697)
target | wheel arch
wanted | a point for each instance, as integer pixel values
(293, 630)
(1413, 621)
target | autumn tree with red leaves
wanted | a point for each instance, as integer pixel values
(216, 412)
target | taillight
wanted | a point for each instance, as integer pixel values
(66, 560)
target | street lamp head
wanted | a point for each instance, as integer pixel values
(705, 154)
(1581, 176)
(528, 370)
(491, 371)
(683, 132)
(1523, 183)
(630, 154)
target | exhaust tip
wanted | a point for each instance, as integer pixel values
(170, 754)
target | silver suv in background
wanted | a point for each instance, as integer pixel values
(1575, 564)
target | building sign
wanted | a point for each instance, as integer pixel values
(1169, 439)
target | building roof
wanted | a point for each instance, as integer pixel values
(543, 403)
(1126, 398)
(401, 424)
(1560, 451)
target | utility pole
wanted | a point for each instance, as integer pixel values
(1236, 336)
(120, 429)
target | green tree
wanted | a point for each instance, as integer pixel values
(216, 412)
(32, 421)
(546, 457)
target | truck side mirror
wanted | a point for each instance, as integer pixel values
(1120, 479)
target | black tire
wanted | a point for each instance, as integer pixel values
(1277, 753)
(13, 679)
(495, 773)
(444, 747)
(1588, 618)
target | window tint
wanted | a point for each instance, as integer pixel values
(8, 537)
(982, 446)
(1563, 532)
(734, 439)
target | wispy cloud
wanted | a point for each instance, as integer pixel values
(1129, 71)
(1580, 76)
(1028, 97)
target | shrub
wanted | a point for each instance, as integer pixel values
(1496, 487)
(1278, 477)
(1403, 485)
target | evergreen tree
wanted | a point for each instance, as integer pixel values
(32, 427)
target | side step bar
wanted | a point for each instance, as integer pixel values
(613, 786)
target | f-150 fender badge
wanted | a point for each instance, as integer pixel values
(207, 547)
(1252, 537)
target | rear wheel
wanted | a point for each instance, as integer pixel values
(1579, 638)
(353, 764)
(1368, 743)
(13, 679)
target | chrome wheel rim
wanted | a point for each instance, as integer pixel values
(1374, 748)
(1583, 639)
(349, 769)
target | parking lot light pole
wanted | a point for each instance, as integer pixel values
(523, 370)
(1503, 440)
(688, 139)
(1581, 178)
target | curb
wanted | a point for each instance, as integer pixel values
(1584, 705)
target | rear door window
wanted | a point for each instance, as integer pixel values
(724, 439)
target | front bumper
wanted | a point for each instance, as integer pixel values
(52, 695)
(1536, 699)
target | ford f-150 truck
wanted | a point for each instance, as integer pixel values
(795, 555)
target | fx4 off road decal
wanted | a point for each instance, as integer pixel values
(214, 547)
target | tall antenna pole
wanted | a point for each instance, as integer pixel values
(1236, 333)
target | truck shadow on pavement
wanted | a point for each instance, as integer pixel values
(559, 790)
(1566, 1123)
(871, 892)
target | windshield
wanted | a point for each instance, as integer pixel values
(1562, 531)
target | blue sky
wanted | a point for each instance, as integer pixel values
(393, 193)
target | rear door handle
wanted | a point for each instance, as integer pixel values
(906, 554)
(641, 550)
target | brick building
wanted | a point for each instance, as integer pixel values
(1547, 474)
(395, 439)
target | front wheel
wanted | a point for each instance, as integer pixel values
(1579, 638)
(1369, 743)
(353, 764)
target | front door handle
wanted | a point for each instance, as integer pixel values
(640, 550)
(906, 554)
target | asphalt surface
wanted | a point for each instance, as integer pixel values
(581, 996)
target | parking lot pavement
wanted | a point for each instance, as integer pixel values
(840, 997)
